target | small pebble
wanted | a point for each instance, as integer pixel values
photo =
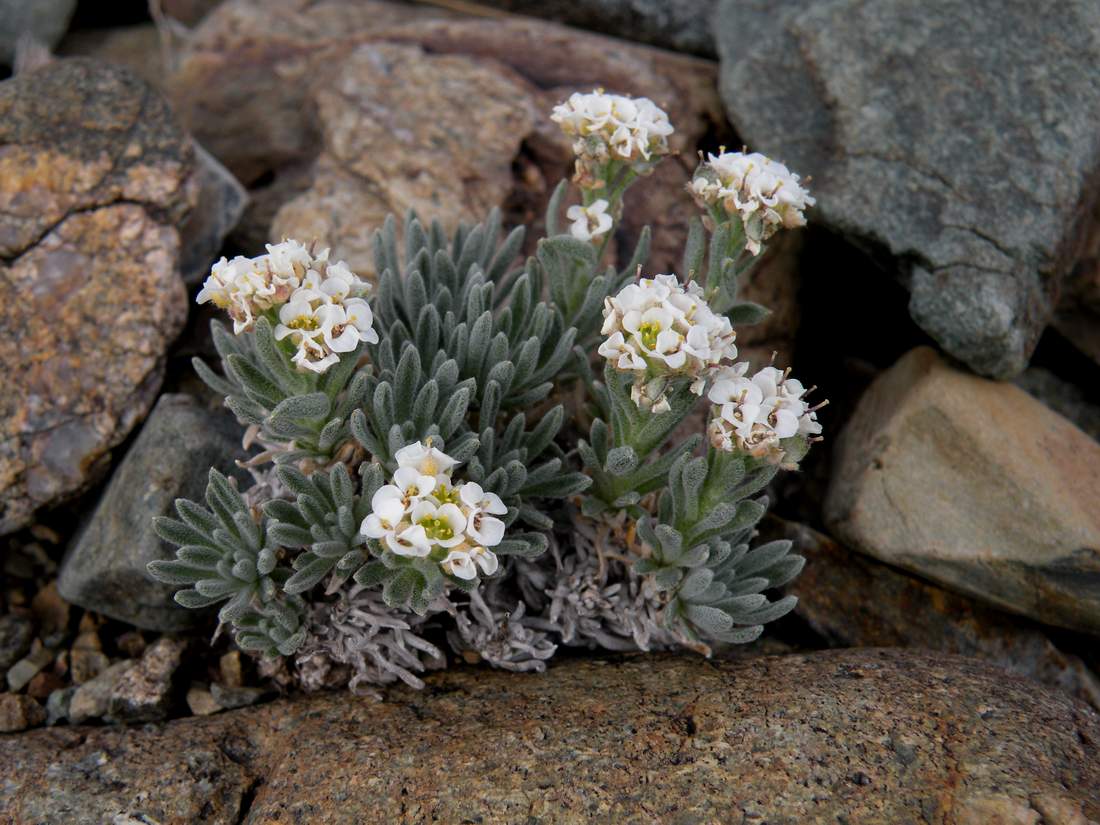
(201, 701)
(19, 712)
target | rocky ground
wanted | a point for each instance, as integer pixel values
(946, 296)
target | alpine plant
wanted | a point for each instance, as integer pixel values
(422, 492)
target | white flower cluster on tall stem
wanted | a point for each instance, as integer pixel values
(660, 329)
(320, 305)
(764, 193)
(607, 127)
(754, 415)
(423, 513)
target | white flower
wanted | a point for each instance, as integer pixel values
(412, 541)
(755, 414)
(589, 221)
(473, 496)
(422, 513)
(660, 329)
(608, 127)
(764, 193)
(444, 525)
(460, 563)
(425, 458)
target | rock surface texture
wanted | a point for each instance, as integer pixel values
(104, 569)
(984, 190)
(95, 175)
(870, 736)
(976, 485)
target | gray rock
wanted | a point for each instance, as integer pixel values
(222, 201)
(16, 634)
(105, 568)
(982, 191)
(858, 736)
(20, 674)
(680, 25)
(45, 20)
(237, 697)
(57, 705)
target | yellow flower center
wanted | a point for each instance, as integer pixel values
(304, 322)
(648, 333)
(436, 528)
(446, 495)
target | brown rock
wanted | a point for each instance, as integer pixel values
(43, 684)
(85, 664)
(854, 601)
(330, 97)
(382, 155)
(93, 698)
(859, 735)
(94, 177)
(50, 610)
(144, 693)
(973, 484)
(137, 48)
(19, 712)
(201, 701)
(229, 666)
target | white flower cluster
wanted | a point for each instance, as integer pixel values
(754, 414)
(320, 304)
(660, 329)
(422, 513)
(611, 127)
(763, 192)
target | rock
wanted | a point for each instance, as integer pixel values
(44, 20)
(383, 156)
(188, 12)
(975, 485)
(137, 48)
(16, 634)
(853, 601)
(201, 702)
(222, 201)
(105, 568)
(20, 674)
(680, 25)
(144, 693)
(231, 698)
(229, 667)
(57, 705)
(92, 699)
(855, 735)
(321, 148)
(19, 713)
(51, 612)
(983, 192)
(85, 664)
(43, 684)
(1063, 397)
(94, 178)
